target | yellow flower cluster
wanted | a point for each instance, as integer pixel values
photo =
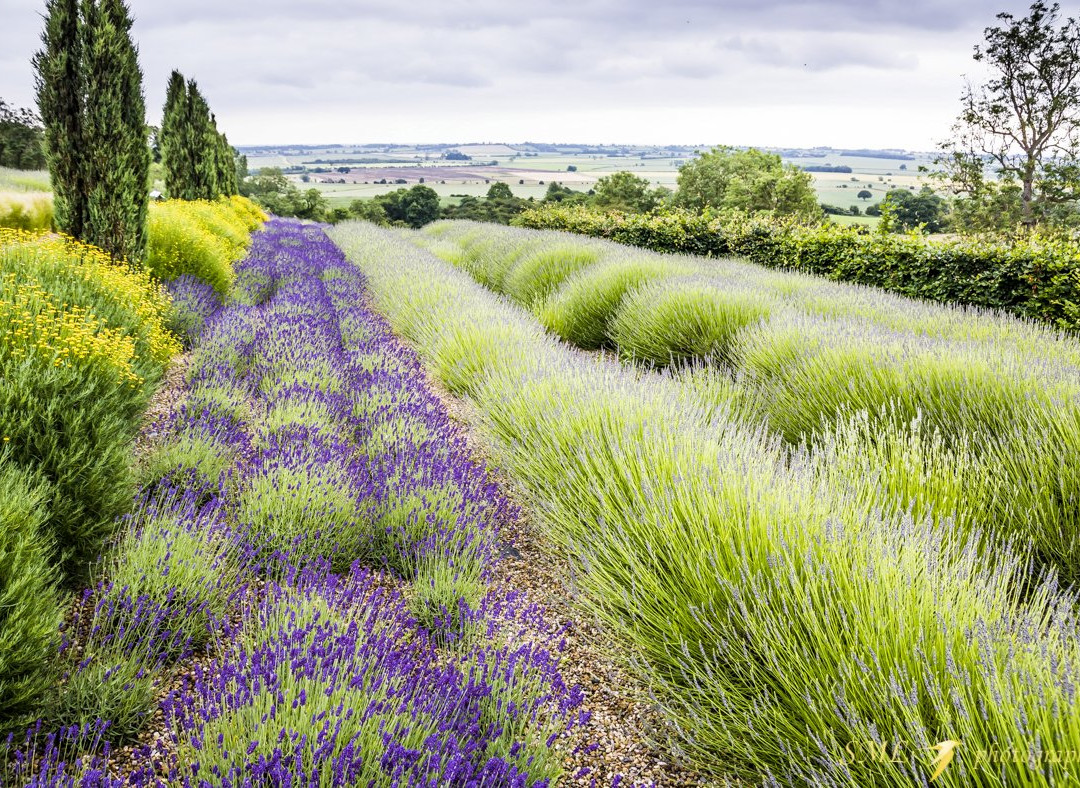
(29, 257)
(33, 325)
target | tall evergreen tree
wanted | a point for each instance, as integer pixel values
(199, 162)
(60, 95)
(117, 153)
(240, 163)
(227, 167)
(176, 155)
(90, 97)
(203, 141)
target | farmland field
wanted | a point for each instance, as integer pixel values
(513, 164)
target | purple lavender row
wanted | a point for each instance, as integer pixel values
(310, 453)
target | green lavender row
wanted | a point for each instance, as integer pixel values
(967, 415)
(782, 619)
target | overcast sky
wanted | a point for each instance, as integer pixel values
(846, 73)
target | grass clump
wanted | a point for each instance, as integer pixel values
(537, 274)
(303, 506)
(26, 211)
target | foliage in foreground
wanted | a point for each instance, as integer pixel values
(29, 607)
(83, 341)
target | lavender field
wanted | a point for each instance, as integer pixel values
(385, 526)
(304, 593)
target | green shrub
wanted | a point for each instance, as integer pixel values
(82, 343)
(30, 612)
(307, 512)
(199, 238)
(537, 274)
(581, 309)
(672, 321)
(119, 690)
(71, 428)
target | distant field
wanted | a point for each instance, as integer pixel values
(868, 221)
(529, 173)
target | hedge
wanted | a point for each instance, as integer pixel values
(1038, 278)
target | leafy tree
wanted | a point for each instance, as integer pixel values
(21, 138)
(499, 191)
(1024, 122)
(865, 194)
(368, 210)
(746, 180)
(413, 207)
(556, 192)
(273, 191)
(911, 210)
(240, 163)
(89, 88)
(624, 191)
(224, 164)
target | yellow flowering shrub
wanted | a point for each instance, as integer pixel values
(33, 325)
(80, 278)
(201, 238)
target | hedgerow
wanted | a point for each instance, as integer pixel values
(1038, 278)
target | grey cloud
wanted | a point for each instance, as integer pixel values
(381, 64)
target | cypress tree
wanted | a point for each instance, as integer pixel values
(196, 135)
(90, 96)
(227, 167)
(176, 155)
(199, 162)
(117, 152)
(240, 163)
(60, 96)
